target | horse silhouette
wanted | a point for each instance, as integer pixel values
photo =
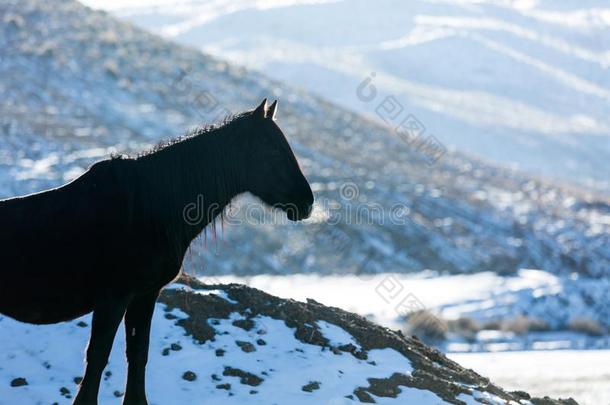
(110, 240)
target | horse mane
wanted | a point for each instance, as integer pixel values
(201, 130)
(175, 172)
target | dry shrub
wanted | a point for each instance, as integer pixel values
(524, 324)
(426, 326)
(587, 325)
(495, 324)
(466, 327)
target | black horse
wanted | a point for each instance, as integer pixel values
(110, 240)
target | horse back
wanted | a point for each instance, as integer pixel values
(54, 244)
(74, 212)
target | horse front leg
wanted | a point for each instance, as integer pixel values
(137, 331)
(107, 316)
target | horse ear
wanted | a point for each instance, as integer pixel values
(260, 111)
(271, 111)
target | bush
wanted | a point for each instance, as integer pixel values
(587, 325)
(539, 325)
(495, 324)
(523, 324)
(519, 325)
(465, 327)
(426, 326)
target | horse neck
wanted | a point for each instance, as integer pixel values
(192, 182)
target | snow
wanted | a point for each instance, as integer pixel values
(461, 215)
(335, 335)
(583, 375)
(220, 293)
(378, 294)
(385, 299)
(464, 215)
(520, 83)
(50, 357)
(483, 397)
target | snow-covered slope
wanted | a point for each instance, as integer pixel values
(78, 85)
(545, 371)
(484, 296)
(516, 82)
(230, 344)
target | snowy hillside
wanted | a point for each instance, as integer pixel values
(78, 85)
(484, 298)
(516, 82)
(233, 344)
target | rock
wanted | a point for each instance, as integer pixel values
(19, 382)
(549, 401)
(311, 387)
(246, 346)
(189, 376)
(244, 376)
(245, 324)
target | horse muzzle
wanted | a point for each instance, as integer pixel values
(299, 213)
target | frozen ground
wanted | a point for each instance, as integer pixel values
(259, 359)
(584, 375)
(517, 82)
(247, 358)
(377, 296)
(386, 298)
(51, 356)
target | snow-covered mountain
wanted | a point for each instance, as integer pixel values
(234, 345)
(78, 85)
(524, 83)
